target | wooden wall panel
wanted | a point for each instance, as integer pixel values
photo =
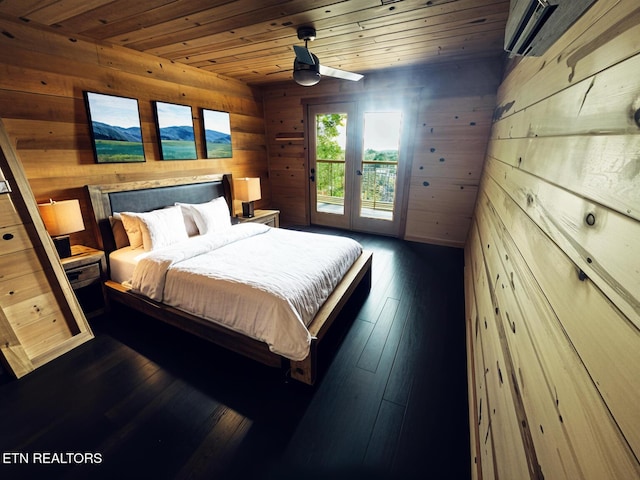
(504, 419)
(480, 435)
(459, 159)
(595, 238)
(471, 321)
(455, 108)
(602, 168)
(558, 226)
(42, 78)
(562, 404)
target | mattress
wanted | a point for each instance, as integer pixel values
(122, 263)
(267, 283)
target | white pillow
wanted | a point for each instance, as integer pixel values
(161, 228)
(189, 221)
(155, 229)
(131, 224)
(212, 216)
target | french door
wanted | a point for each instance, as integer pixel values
(356, 166)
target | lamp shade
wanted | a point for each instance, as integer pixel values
(61, 218)
(247, 189)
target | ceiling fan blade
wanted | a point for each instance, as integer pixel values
(337, 73)
(303, 55)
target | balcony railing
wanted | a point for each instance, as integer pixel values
(377, 186)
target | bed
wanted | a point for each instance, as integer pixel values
(240, 297)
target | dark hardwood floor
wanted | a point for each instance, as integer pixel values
(149, 401)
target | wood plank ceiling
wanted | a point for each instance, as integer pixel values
(253, 40)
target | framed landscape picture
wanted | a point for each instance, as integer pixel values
(175, 131)
(217, 133)
(115, 128)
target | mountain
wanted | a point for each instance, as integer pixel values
(186, 133)
(103, 131)
(213, 136)
(176, 133)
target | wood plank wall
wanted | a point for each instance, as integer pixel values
(42, 77)
(451, 130)
(552, 270)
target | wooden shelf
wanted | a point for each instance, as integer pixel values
(289, 136)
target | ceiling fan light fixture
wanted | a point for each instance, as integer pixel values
(306, 75)
(306, 78)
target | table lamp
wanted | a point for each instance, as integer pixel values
(247, 190)
(61, 219)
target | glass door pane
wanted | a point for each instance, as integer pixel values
(381, 141)
(330, 156)
(331, 163)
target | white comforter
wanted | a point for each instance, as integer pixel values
(267, 283)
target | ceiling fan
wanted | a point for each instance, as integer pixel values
(306, 66)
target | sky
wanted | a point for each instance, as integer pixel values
(115, 111)
(218, 121)
(170, 115)
(123, 112)
(382, 130)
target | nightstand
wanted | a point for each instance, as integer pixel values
(86, 269)
(268, 217)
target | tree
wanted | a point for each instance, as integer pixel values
(328, 131)
(330, 176)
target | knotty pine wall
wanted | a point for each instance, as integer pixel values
(455, 104)
(552, 270)
(42, 77)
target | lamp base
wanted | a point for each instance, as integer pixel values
(247, 209)
(63, 246)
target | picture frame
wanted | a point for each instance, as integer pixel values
(116, 133)
(175, 130)
(217, 133)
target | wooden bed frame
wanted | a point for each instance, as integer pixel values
(143, 196)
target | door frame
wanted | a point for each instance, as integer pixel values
(407, 102)
(321, 218)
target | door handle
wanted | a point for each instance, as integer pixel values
(312, 177)
(358, 172)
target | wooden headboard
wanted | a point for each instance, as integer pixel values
(144, 196)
